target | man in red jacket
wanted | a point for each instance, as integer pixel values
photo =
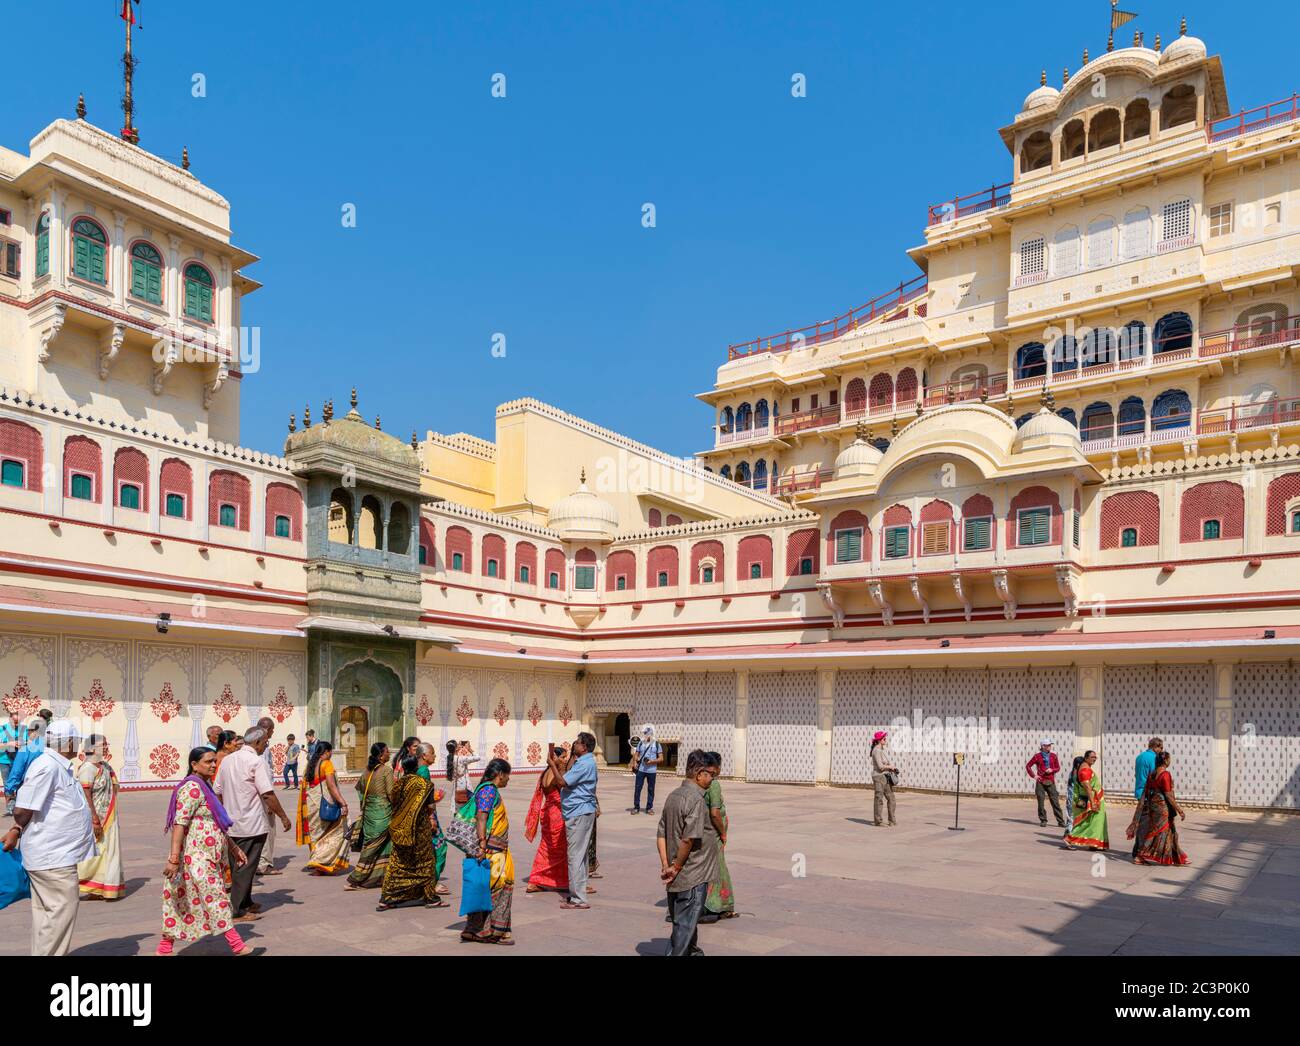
(1043, 768)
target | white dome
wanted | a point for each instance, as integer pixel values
(1041, 96)
(1184, 47)
(1044, 429)
(859, 458)
(583, 517)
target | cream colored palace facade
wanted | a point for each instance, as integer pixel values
(1051, 485)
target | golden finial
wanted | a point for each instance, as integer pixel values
(1085, 56)
(984, 394)
(582, 476)
(415, 441)
(1065, 76)
(1137, 38)
(293, 423)
(952, 395)
(378, 427)
(1110, 43)
(306, 416)
(1157, 41)
(919, 409)
(1042, 79)
(185, 157)
(1011, 406)
(860, 430)
(354, 397)
(327, 412)
(1182, 28)
(81, 107)
(1051, 401)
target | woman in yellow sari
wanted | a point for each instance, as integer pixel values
(328, 839)
(494, 846)
(101, 876)
(411, 877)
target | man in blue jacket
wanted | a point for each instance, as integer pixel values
(34, 747)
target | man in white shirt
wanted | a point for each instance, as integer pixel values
(52, 819)
(248, 794)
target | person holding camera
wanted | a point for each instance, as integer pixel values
(577, 781)
(646, 758)
(884, 775)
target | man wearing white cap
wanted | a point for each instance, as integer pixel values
(646, 758)
(52, 819)
(1043, 768)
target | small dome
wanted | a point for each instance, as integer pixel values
(1184, 47)
(859, 458)
(583, 517)
(1040, 96)
(1044, 429)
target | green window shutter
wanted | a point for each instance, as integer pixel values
(205, 304)
(584, 578)
(978, 533)
(282, 526)
(12, 474)
(554, 580)
(1035, 526)
(1129, 539)
(227, 517)
(424, 555)
(191, 298)
(97, 272)
(896, 542)
(153, 289)
(755, 571)
(491, 568)
(81, 257)
(663, 579)
(43, 253)
(129, 496)
(1295, 523)
(621, 583)
(457, 561)
(805, 566)
(848, 546)
(139, 279)
(176, 506)
(81, 488)
(524, 574)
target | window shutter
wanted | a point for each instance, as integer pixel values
(1177, 219)
(1101, 239)
(1137, 234)
(139, 280)
(42, 254)
(97, 263)
(1065, 252)
(896, 542)
(205, 304)
(978, 532)
(1076, 530)
(848, 546)
(1032, 257)
(1035, 526)
(80, 257)
(934, 539)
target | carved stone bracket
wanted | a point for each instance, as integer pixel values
(162, 371)
(876, 589)
(109, 346)
(211, 388)
(919, 596)
(828, 597)
(1068, 583)
(51, 331)
(1006, 592)
(962, 597)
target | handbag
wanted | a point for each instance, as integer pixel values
(14, 883)
(330, 811)
(892, 778)
(476, 887)
(462, 831)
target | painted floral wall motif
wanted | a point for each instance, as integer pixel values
(277, 758)
(501, 713)
(464, 713)
(534, 753)
(281, 707)
(501, 750)
(535, 712)
(566, 714)
(22, 700)
(226, 706)
(97, 704)
(164, 761)
(424, 712)
(165, 706)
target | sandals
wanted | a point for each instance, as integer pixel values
(579, 906)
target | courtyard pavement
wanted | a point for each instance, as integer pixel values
(812, 876)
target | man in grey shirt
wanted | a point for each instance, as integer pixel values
(688, 853)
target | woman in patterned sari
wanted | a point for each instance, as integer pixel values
(101, 876)
(329, 840)
(1156, 829)
(376, 788)
(412, 874)
(721, 901)
(494, 846)
(1088, 829)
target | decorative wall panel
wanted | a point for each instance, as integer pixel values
(708, 717)
(782, 733)
(1172, 702)
(1265, 750)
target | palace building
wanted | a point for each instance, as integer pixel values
(1049, 486)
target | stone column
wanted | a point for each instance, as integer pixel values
(173, 276)
(738, 750)
(119, 270)
(58, 237)
(131, 746)
(1221, 750)
(825, 723)
(1089, 708)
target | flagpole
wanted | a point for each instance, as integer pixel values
(129, 131)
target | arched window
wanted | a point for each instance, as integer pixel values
(1173, 332)
(1033, 260)
(43, 244)
(1176, 228)
(370, 528)
(22, 455)
(340, 519)
(175, 485)
(283, 511)
(1067, 414)
(1266, 318)
(89, 247)
(761, 415)
(724, 472)
(742, 472)
(905, 386)
(1074, 141)
(1036, 153)
(146, 272)
(82, 465)
(198, 292)
(1178, 106)
(1065, 251)
(881, 394)
(1137, 119)
(1103, 130)
(1129, 538)
(1136, 239)
(525, 562)
(228, 500)
(131, 478)
(429, 543)
(1172, 409)
(1098, 421)
(1065, 354)
(458, 550)
(855, 396)
(728, 419)
(744, 418)
(1133, 340)
(760, 474)
(399, 529)
(1132, 416)
(1098, 346)
(1101, 242)
(1030, 361)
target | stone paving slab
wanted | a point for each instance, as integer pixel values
(1004, 886)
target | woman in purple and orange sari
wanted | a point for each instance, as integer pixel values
(1156, 829)
(550, 869)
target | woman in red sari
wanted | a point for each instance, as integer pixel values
(1156, 830)
(551, 864)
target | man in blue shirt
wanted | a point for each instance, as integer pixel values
(577, 780)
(13, 736)
(648, 755)
(1143, 768)
(18, 770)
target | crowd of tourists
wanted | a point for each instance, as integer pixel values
(225, 815)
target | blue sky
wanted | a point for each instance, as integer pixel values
(522, 216)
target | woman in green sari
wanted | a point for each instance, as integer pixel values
(411, 877)
(721, 901)
(376, 788)
(1088, 829)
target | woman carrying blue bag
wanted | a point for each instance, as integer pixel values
(482, 830)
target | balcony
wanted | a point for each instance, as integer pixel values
(1177, 428)
(965, 390)
(893, 304)
(736, 437)
(1250, 120)
(801, 482)
(963, 206)
(1249, 336)
(817, 418)
(1243, 417)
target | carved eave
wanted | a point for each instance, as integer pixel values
(962, 597)
(51, 326)
(166, 347)
(110, 345)
(1067, 580)
(211, 388)
(828, 597)
(918, 594)
(876, 590)
(1005, 588)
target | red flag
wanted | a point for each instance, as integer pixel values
(128, 15)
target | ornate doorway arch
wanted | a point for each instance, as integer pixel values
(368, 696)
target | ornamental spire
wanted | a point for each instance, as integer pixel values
(293, 423)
